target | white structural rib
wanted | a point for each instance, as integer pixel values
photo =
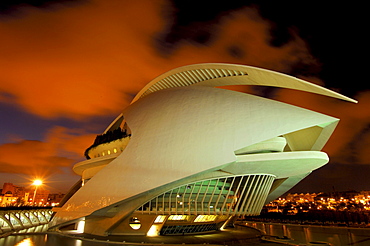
(219, 74)
(233, 195)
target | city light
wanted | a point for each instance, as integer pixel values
(14, 195)
(294, 203)
(37, 182)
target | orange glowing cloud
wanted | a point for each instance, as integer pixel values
(78, 61)
(90, 59)
(61, 148)
(30, 156)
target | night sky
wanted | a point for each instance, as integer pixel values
(68, 68)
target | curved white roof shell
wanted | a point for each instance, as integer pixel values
(222, 74)
(219, 74)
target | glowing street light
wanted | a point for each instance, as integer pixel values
(36, 183)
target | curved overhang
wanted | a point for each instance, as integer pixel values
(281, 165)
(276, 144)
(95, 162)
(220, 74)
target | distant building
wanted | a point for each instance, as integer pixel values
(8, 188)
(8, 199)
(55, 198)
(13, 195)
(15, 190)
(186, 157)
(41, 197)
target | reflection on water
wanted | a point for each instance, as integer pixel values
(25, 242)
(35, 229)
(46, 240)
(305, 233)
(300, 233)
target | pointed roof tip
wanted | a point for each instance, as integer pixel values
(350, 99)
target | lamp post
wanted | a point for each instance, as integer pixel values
(36, 183)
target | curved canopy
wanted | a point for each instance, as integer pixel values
(219, 74)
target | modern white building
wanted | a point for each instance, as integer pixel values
(188, 156)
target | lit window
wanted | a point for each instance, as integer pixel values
(205, 218)
(135, 223)
(81, 226)
(108, 152)
(160, 219)
(154, 230)
(103, 154)
(115, 150)
(178, 217)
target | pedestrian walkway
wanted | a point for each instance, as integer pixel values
(18, 219)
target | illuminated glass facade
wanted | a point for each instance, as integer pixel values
(237, 195)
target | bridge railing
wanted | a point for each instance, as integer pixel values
(12, 220)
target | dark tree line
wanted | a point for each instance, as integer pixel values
(110, 136)
(106, 138)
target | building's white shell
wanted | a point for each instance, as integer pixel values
(183, 136)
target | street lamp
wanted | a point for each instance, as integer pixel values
(36, 183)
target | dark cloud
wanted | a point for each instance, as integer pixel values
(196, 25)
(335, 34)
(356, 150)
(335, 176)
(236, 51)
(12, 8)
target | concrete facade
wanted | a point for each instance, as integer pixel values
(197, 155)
